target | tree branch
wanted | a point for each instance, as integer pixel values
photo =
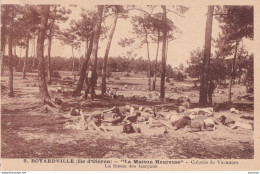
(111, 14)
(149, 14)
(220, 14)
(168, 10)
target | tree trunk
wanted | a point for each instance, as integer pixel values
(149, 61)
(164, 18)
(32, 46)
(51, 23)
(10, 54)
(79, 59)
(79, 64)
(232, 71)
(240, 64)
(33, 64)
(96, 36)
(206, 59)
(155, 64)
(95, 41)
(40, 53)
(104, 70)
(78, 89)
(49, 60)
(3, 38)
(33, 55)
(20, 57)
(239, 77)
(86, 52)
(2, 58)
(73, 61)
(14, 46)
(86, 47)
(166, 54)
(26, 56)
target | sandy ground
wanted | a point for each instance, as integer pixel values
(27, 133)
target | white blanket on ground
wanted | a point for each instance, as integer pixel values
(192, 113)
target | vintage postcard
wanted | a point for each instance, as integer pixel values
(129, 85)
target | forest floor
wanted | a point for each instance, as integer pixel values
(27, 133)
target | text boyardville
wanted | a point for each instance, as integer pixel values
(105, 161)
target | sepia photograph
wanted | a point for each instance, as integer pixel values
(138, 82)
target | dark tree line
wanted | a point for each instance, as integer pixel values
(220, 68)
(115, 64)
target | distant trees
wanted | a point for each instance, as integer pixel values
(141, 27)
(115, 64)
(242, 59)
(57, 15)
(148, 26)
(195, 65)
(28, 24)
(249, 77)
(24, 27)
(181, 66)
(11, 15)
(68, 38)
(218, 66)
(236, 24)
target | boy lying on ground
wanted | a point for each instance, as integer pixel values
(235, 124)
(129, 128)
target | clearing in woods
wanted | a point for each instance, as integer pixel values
(27, 133)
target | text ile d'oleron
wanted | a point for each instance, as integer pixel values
(131, 163)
